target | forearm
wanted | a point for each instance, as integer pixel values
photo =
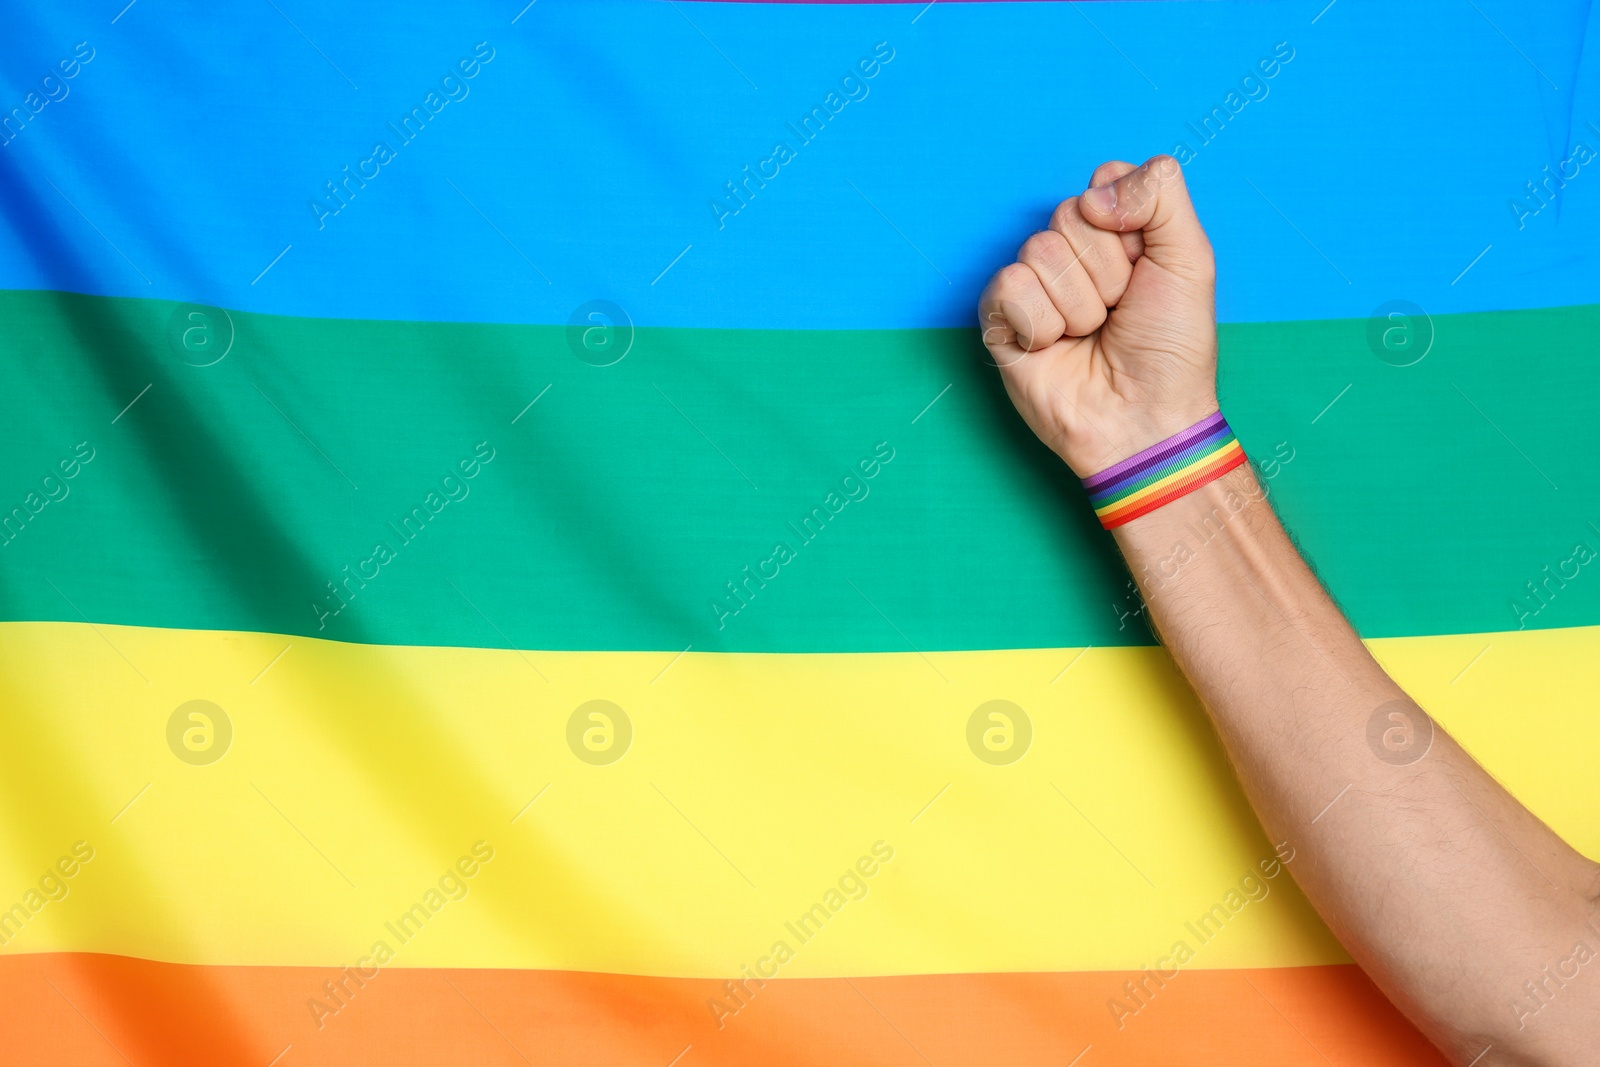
(1440, 884)
(1468, 912)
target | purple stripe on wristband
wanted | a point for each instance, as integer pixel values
(1165, 467)
(1155, 454)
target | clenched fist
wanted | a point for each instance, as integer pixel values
(1104, 329)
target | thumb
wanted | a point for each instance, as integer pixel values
(1153, 198)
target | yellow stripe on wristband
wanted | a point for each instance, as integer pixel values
(1170, 488)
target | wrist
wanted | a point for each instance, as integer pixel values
(1215, 504)
(1168, 470)
(1104, 442)
(1211, 530)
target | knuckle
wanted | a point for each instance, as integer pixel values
(1164, 167)
(1160, 175)
(1100, 267)
(1041, 248)
(1014, 279)
(1110, 170)
(1088, 247)
(1060, 264)
(1067, 215)
(1071, 294)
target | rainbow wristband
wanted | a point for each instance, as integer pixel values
(1164, 472)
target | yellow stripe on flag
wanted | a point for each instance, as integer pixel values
(361, 783)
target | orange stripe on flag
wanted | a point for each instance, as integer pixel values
(92, 1009)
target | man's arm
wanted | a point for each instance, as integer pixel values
(1447, 891)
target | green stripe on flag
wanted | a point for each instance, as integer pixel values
(710, 489)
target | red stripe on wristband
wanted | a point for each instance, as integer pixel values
(1215, 467)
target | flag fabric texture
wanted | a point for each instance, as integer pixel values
(512, 549)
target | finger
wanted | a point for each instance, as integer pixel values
(1105, 174)
(1101, 254)
(1015, 298)
(1110, 171)
(999, 338)
(1153, 198)
(1065, 280)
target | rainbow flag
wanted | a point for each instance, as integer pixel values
(511, 550)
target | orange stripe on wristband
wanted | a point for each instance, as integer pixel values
(1170, 489)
